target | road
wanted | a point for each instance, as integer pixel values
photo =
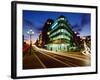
(40, 58)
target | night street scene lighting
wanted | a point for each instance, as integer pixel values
(31, 33)
(57, 39)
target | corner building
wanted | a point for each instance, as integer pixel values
(60, 35)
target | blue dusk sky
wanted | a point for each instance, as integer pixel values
(35, 20)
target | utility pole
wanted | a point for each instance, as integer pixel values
(30, 32)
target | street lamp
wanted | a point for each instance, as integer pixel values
(30, 32)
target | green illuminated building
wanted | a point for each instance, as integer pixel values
(60, 36)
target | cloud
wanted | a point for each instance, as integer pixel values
(76, 27)
(85, 20)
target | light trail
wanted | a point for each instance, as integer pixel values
(85, 58)
(40, 61)
(46, 54)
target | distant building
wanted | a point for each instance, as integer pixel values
(88, 41)
(24, 42)
(43, 37)
(39, 40)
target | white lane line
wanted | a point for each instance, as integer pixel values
(56, 59)
(85, 60)
(65, 59)
(42, 50)
(40, 61)
(68, 55)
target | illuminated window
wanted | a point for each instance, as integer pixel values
(61, 37)
(48, 22)
(60, 30)
(62, 19)
(61, 24)
(54, 25)
(48, 33)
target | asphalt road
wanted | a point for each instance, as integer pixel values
(40, 58)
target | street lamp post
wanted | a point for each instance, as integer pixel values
(30, 32)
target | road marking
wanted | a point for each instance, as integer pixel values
(55, 59)
(70, 63)
(40, 61)
(68, 55)
(71, 56)
(64, 58)
(42, 50)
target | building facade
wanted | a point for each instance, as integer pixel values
(61, 36)
(57, 36)
(43, 35)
